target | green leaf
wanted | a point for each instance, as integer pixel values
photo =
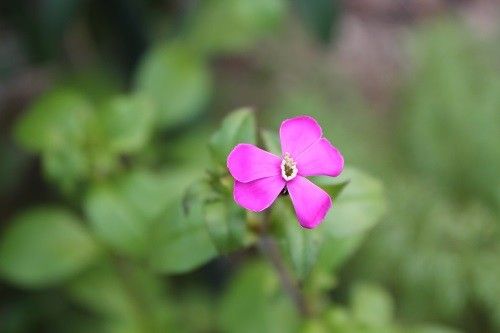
(234, 25)
(115, 221)
(227, 226)
(152, 193)
(181, 243)
(43, 247)
(176, 80)
(335, 251)
(319, 16)
(58, 119)
(237, 127)
(66, 167)
(123, 212)
(358, 206)
(371, 305)
(255, 290)
(128, 123)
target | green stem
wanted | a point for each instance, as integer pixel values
(270, 249)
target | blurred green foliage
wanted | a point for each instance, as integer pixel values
(443, 226)
(140, 232)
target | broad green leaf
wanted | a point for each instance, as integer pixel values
(115, 221)
(128, 123)
(358, 206)
(254, 302)
(237, 127)
(151, 193)
(55, 121)
(339, 319)
(371, 305)
(66, 167)
(176, 80)
(181, 243)
(334, 252)
(123, 212)
(226, 225)
(234, 25)
(43, 247)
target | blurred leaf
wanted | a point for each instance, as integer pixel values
(98, 83)
(128, 298)
(196, 302)
(66, 167)
(339, 319)
(336, 251)
(176, 80)
(43, 247)
(237, 127)
(358, 207)
(234, 25)
(181, 243)
(271, 142)
(254, 303)
(227, 226)
(115, 221)
(123, 212)
(151, 193)
(128, 122)
(313, 326)
(431, 329)
(452, 116)
(58, 119)
(372, 306)
(101, 290)
(319, 16)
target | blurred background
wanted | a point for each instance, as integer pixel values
(92, 93)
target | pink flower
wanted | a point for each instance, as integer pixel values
(259, 176)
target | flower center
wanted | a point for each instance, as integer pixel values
(288, 168)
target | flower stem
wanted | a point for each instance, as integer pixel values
(270, 249)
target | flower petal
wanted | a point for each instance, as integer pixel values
(321, 159)
(311, 203)
(247, 163)
(258, 194)
(299, 133)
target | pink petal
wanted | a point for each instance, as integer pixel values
(247, 162)
(311, 203)
(299, 133)
(320, 159)
(258, 194)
